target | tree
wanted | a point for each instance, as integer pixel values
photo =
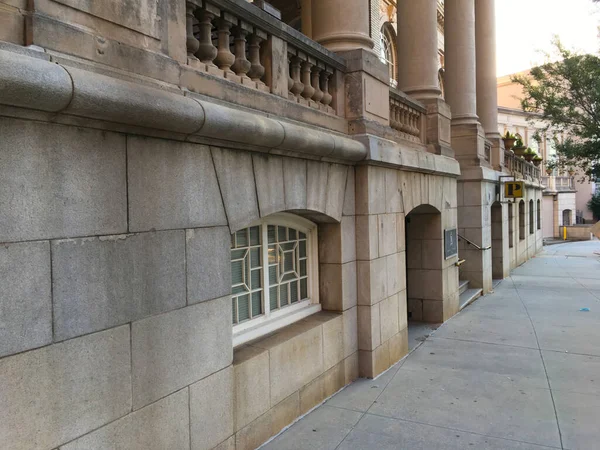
(594, 205)
(565, 94)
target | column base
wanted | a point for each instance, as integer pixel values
(469, 145)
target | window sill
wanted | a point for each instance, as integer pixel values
(273, 324)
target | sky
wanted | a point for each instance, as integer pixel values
(526, 27)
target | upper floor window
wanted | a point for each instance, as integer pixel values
(274, 275)
(388, 52)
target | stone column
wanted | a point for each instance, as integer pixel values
(487, 87)
(418, 48)
(460, 74)
(306, 14)
(341, 25)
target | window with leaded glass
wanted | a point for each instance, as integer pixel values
(274, 274)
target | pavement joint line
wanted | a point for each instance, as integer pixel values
(490, 343)
(462, 431)
(545, 369)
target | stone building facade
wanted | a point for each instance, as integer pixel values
(565, 194)
(211, 221)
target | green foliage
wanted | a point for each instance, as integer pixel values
(566, 95)
(519, 143)
(509, 135)
(594, 204)
(530, 151)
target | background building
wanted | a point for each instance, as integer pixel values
(215, 214)
(565, 195)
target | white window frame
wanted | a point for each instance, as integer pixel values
(271, 321)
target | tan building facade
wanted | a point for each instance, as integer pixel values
(216, 214)
(565, 195)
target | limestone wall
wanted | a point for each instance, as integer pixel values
(116, 283)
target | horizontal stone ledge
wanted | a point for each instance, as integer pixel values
(36, 84)
(408, 156)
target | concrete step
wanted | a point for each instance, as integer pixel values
(468, 297)
(463, 285)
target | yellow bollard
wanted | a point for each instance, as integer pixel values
(564, 233)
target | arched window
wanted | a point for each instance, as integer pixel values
(274, 275)
(531, 220)
(388, 52)
(521, 220)
(539, 215)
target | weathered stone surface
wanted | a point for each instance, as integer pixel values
(175, 349)
(107, 98)
(251, 385)
(290, 374)
(55, 394)
(373, 363)
(367, 237)
(99, 283)
(333, 342)
(12, 25)
(161, 425)
(387, 234)
(268, 173)
(22, 77)
(393, 193)
(337, 241)
(370, 190)
(316, 186)
(60, 181)
(294, 175)
(388, 317)
(211, 409)
(139, 15)
(171, 185)
(369, 327)
(349, 197)
(350, 331)
(55, 35)
(372, 281)
(208, 263)
(396, 272)
(236, 181)
(336, 187)
(25, 297)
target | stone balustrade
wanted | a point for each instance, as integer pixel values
(237, 41)
(521, 168)
(407, 116)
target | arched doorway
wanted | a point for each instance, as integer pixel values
(567, 217)
(424, 270)
(497, 242)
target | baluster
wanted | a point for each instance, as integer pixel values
(415, 130)
(309, 91)
(257, 70)
(191, 43)
(290, 57)
(207, 52)
(394, 115)
(298, 86)
(316, 75)
(224, 57)
(327, 97)
(241, 65)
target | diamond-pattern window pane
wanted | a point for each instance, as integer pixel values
(256, 279)
(256, 304)
(273, 298)
(302, 267)
(237, 272)
(281, 234)
(255, 236)
(293, 233)
(272, 275)
(246, 275)
(283, 294)
(241, 238)
(293, 291)
(302, 249)
(243, 307)
(303, 288)
(271, 236)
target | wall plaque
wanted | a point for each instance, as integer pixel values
(450, 243)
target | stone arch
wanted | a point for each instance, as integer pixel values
(567, 217)
(531, 218)
(425, 271)
(497, 241)
(521, 220)
(255, 185)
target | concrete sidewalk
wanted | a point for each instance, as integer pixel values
(518, 369)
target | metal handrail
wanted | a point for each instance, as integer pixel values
(473, 243)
